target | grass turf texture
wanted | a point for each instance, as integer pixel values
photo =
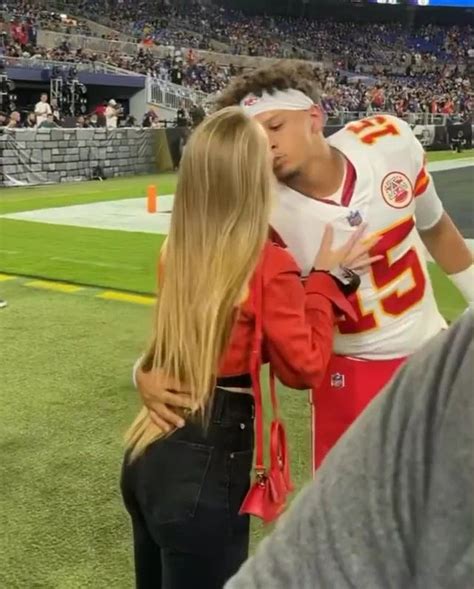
(63, 415)
(65, 401)
(89, 256)
(27, 198)
(115, 259)
(66, 396)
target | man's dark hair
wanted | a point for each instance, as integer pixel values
(283, 75)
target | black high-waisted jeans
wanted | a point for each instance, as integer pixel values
(183, 495)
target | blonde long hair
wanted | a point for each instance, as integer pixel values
(218, 228)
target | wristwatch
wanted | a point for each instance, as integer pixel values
(346, 279)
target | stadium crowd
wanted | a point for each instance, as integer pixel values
(447, 92)
(179, 67)
(198, 24)
(378, 68)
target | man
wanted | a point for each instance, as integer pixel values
(81, 122)
(392, 505)
(197, 114)
(56, 113)
(48, 123)
(14, 121)
(42, 110)
(371, 171)
(111, 114)
(181, 116)
(176, 74)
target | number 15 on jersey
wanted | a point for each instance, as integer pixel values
(386, 272)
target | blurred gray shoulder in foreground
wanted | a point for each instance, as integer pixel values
(392, 505)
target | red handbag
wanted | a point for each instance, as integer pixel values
(267, 495)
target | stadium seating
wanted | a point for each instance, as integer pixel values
(383, 67)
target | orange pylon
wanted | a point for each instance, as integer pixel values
(151, 199)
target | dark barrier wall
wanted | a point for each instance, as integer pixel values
(45, 156)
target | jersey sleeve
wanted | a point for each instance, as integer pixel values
(428, 206)
(298, 321)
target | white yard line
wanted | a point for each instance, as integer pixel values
(444, 165)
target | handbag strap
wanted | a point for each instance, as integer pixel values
(273, 394)
(255, 368)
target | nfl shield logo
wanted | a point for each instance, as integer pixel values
(354, 218)
(338, 380)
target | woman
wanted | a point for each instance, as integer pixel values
(31, 120)
(184, 491)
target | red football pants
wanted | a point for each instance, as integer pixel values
(347, 389)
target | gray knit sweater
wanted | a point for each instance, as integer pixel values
(392, 506)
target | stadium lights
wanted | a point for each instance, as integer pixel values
(7, 97)
(69, 92)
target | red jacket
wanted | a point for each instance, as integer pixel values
(298, 322)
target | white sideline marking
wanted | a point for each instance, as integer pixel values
(99, 264)
(121, 215)
(444, 165)
(131, 215)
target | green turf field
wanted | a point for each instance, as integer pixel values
(66, 395)
(66, 399)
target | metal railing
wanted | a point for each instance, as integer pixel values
(52, 39)
(163, 93)
(96, 67)
(181, 24)
(413, 118)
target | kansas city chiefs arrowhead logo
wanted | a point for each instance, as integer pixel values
(251, 100)
(397, 190)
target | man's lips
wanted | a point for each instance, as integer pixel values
(277, 161)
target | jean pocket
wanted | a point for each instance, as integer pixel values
(173, 474)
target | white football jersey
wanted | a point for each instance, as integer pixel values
(393, 194)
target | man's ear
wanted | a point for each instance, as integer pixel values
(318, 118)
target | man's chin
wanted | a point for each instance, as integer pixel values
(285, 174)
